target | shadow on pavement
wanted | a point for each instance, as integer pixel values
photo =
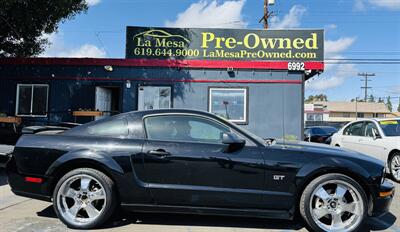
(380, 223)
(3, 177)
(47, 212)
(124, 218)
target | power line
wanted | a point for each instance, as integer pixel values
(362, 62)
(362, 59)
(97, 34)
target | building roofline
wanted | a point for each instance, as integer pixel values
(204, 64)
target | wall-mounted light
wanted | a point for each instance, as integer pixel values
(231, 72)
(108, 68)
(128, 84)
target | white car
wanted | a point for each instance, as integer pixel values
(379, 138)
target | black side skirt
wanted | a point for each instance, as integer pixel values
(253, 213)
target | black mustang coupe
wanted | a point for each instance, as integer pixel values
(185, 161)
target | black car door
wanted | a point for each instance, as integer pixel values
(187, 164)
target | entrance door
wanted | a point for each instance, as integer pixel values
(107, 100)
(352, 136)
(154, 97)
(103, 100)
(372, 144)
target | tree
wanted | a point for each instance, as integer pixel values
(380, 100)
(315, 98)
(358, 100)
(398, 107)
(371, 98)
(24, 22)
(389, 104)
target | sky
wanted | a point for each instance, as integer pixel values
(366, 29)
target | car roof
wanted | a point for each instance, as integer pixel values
(170, 111)
(308, 127)
(374, 119)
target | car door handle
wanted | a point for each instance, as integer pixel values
(160, 152)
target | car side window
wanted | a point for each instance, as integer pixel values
(184, 128)
(109, 128)
(354, 129)
(370, 129)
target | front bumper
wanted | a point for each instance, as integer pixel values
(383, 200)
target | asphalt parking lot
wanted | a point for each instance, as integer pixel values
(23, 214)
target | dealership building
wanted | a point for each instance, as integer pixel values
(254, 78)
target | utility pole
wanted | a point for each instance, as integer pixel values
(356, 108)
(365, 87)
(266, 13)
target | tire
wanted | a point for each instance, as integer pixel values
(327, 201)
(84, 198)
(394, 166)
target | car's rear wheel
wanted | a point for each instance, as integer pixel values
(84, 198)
(394, 166)
(333, 202)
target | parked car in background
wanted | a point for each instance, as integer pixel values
(319, 134)
(376, 137)
(187, 161)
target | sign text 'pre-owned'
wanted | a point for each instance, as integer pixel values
(225, 44)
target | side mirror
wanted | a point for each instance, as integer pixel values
(307, 137)
(270, 141)
(375, 134)
(234, 141)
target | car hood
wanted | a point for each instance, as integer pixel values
(324, 149)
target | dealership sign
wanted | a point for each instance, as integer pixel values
(225, 44)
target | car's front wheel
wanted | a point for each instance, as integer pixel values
(394, 167)
(84, 198)
(333, 202)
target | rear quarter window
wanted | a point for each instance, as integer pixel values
(111, 128)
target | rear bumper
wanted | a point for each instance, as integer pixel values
(4, 159)
(384, 199)
(19, 186)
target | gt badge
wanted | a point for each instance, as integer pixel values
(279, 177)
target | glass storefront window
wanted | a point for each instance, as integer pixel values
(314, 117)
(229, 103)
(154, 97)
(32, 99)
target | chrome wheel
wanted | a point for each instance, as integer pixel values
(81, 199)
(395, 167)
(336, 206)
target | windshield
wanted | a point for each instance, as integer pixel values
(390, 127)
(324, 130)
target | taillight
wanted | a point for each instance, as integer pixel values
(33, 179)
